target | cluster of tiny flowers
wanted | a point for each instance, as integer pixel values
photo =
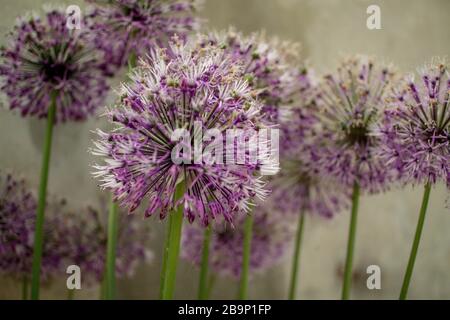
(269, 66)
(189, 88)
(88, 236)
(44, 59)
(351, 104)
(135, 27)
(270, 239)
(17, 220)
(416, 129)
(299, 187)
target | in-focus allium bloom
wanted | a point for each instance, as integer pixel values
(352, 101)
(193, 89)
(417, 127)
(270, 238)
(88, 237)
(136, 27)
(270, 66)
(43, 58)
(17, 220)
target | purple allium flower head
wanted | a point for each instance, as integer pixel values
(193, 89)
(270, 66)
(43, 58)
(128, 27)
(351, 103)
(270, 238)
(17, 220)
(88, 237)
(416, 129)
(300, 187)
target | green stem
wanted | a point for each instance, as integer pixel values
(203, 284)
(25, 288)
(70, 294)
(351, 244)
(246, 257)
(415, 246)
(102, 289)
(296, 258)
(111, 251)
(212, 280)
(132, 61)
(40, 213)
(164, 257)
(172, 247)
(108, 285)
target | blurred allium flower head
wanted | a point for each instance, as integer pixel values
(300, 187)
(351, 102)
(269, 65)
(417, 126)
(270, 239)
(17, 220)
(134, 27)
(195, 89)
(45, 58)
(88, 240)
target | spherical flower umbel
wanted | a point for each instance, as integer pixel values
(270, 239)
(417, 126)
(195, 90)
(17, 219)
(271, 66)
(351, 103)
(17, 208)
(127, 27)
(88, 241)
(45, 58)
(300, 187)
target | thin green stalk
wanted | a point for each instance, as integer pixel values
(70, 294)
(164, 257)
(40, 213)
(108, 285)
(173, 248)
(25, 283)
(203, 284)
(111, 251)
(102, 289)
(296, 258)
(243, 289)
(415, 246)
(351, 244)
(211, 281)
(132, 61)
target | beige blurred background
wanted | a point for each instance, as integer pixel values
(412, 32)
